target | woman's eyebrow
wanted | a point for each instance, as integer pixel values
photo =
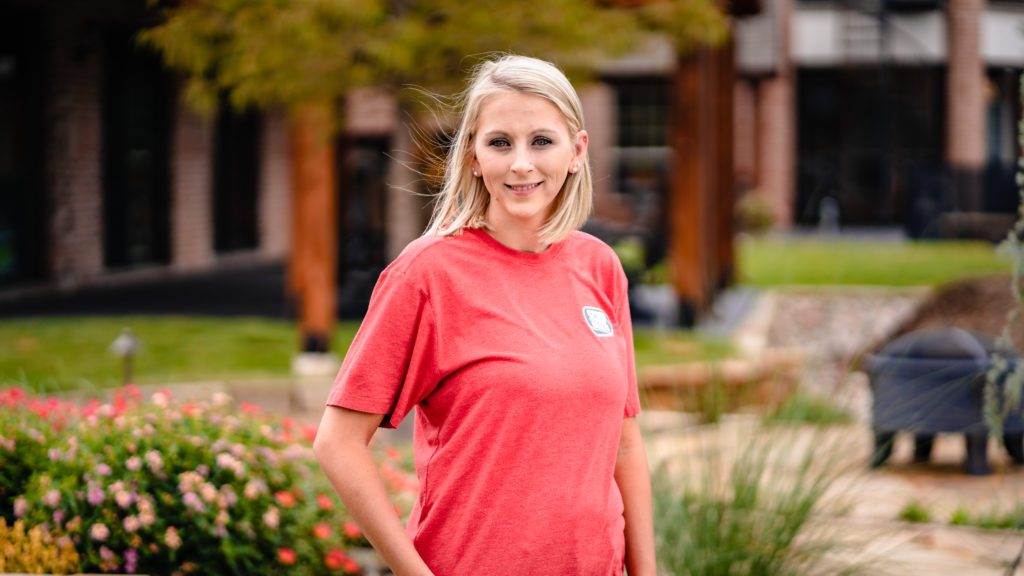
(545, 131)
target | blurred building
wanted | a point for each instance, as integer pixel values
(883, 112)
(890, 112)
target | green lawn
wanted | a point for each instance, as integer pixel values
(53, 354)
(61, 353)
(767, 261)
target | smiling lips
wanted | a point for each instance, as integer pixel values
(522, 187)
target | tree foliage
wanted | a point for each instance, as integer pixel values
(288, 52)
(269, 52)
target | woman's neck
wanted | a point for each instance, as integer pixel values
(516, 235)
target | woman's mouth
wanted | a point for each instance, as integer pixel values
(522, 188)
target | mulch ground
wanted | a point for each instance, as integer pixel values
(975, 304)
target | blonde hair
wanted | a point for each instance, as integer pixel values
(463, 199)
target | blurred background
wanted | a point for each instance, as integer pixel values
(269, 159)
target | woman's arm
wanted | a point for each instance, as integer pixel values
(342, 447)
(634, 481)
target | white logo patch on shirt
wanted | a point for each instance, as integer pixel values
(598, 321)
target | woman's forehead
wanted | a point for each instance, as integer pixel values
(519, 111)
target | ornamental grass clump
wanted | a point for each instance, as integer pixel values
(161, 487)
(750, 504)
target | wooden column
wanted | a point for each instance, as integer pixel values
(701, 194)
(691, 177)
(312, 273)
(725, 181)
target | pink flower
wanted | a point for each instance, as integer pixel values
(271, 518)
(20, 506)
(95, 495)
(99, 532)
(172, 539)
(192, 501)
(134, 463)
(131, 560)
(102, 469)
(287, 556)
(124, 498)
(154, 461)
(51, 498)
(131, 524)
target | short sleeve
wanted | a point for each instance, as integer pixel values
(391, 365)
(625, 321)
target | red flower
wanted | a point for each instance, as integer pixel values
(250, 408)
(334, 558)
(322, 530)
(286, 499)
(350, 565)
(352, 530)
(287, 556)
(308, 433)
(324, 502)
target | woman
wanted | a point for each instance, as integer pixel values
(509, 331)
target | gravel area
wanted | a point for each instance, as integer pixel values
(831, 330)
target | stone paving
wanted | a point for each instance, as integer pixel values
(830, 330)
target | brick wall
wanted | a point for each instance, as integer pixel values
(275, 195)
(191, 189)
(776, 126)
(73, 157)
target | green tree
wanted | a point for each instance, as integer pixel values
(306, 55)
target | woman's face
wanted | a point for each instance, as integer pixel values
(523, 151)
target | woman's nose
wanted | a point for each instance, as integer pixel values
(522, 162)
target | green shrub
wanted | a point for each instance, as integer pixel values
(159, 487)
(754, 213)
(915, 512)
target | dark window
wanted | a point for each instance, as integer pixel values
(236, 180)
(362, 221)
(642, 112)
(22, 183)
(866, 138)
(136, 137)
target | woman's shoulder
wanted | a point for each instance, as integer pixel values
(591, 247)
(423, 254)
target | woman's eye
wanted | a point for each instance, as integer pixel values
(499, 143)
(542, 142)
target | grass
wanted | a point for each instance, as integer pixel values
(915, 512)
(54, 354)
(770, 262)
(802, 408)
(654, 347)
(990, 520)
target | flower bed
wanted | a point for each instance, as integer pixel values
(165, 488)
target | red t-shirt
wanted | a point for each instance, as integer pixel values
(521, 367)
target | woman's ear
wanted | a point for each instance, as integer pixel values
(582, 140)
